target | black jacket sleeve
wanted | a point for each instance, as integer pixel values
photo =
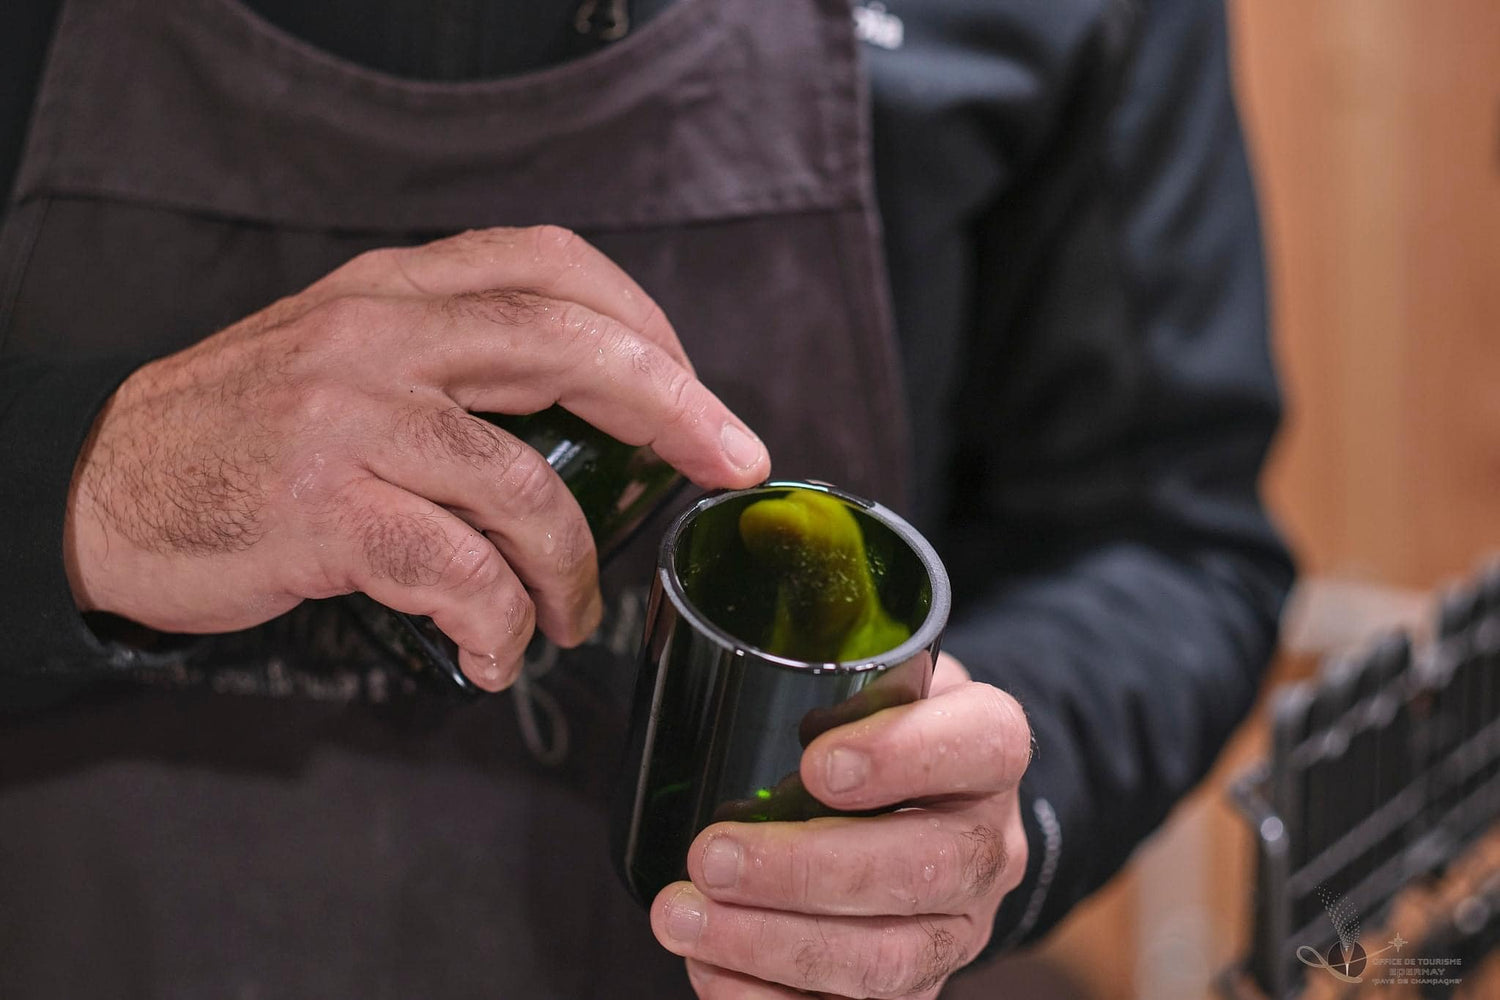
(46, 411)
(1117, 408)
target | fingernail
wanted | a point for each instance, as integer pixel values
(685, 916)
(740, 447)
(489, 673)
(721, 863)
(496, 679)
(847, 769)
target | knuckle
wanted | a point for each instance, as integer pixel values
(890, 968)
(556, 243)
(367, 269)
(678, 396)
(576, 552)
(814, 962)
(532, 486)
(340, 330)
(467, 241)
(573, 323)
(472, 242)
(650, 366)
(520, 618)
(984, 859)
(275, 316)
(504, 622)
(472, 569)
(799, 870)
(371, 262)
(318, 403)
(507, 307)
(642, 356)
(939, 954)
(1006, 737)
(460, 434)
(912, 962)
(408, 549)
(1002, 710)
(347, 315)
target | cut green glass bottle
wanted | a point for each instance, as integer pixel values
(777, 613)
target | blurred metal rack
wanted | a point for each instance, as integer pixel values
(1382, 771)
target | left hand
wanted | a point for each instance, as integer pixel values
(870, 906)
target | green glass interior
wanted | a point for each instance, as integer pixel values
(737, 592)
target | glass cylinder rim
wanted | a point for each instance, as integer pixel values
(921, 638)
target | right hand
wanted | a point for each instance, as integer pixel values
(326, 445)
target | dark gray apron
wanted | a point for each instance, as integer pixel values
(332, 835)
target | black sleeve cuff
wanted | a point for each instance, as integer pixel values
(46, 412)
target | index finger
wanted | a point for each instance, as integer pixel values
(971, 740)
(548, 260)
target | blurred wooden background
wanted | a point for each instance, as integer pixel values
(1375, 134)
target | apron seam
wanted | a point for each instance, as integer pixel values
(31, 230)
(862, 362)
(40, 153)
(838, 140)
(44, 138)
(776, 202)
(851, 135)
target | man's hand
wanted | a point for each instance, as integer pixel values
(882, 906)
(325, 445)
